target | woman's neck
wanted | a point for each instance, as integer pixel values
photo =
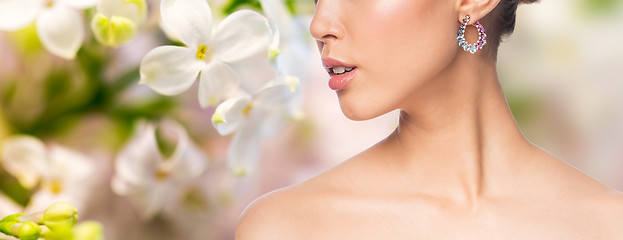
(462, 144)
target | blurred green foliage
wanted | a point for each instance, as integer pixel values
(294, 6)
(50, 97)
(13, 189)
(78, 88)
(599, 8)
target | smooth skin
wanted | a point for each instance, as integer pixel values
(457, 167)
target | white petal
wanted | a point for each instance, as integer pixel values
(216, 81)
(272, 96)
(188, 161)
(242, 34)
(61, 31)
(270, 120)
(149, 200)
(170, 70)
(17, 14)
(25, 158)
(254, 72)
(138, 162)
(276, 11)
(230, 114)
(189, 20)
(167, 31)
(136, 10)
(273, 48)
(244, 150)
(123, 187)
(8, 206)
(74, 170)
(80, 4)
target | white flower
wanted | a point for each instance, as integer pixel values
(291, 46)
(63, 175)
(116, 20)
(151, 180)
(170, 70)
(59, 26)
(253, 118)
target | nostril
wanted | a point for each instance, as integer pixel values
(328, 36)
(325, 24)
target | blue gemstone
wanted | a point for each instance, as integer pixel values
(460, 39)
(462, 44)
(459, 33)
(461, 28)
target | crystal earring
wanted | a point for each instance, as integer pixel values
(473, 47)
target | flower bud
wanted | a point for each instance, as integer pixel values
(88, 230)
(61, 232)
(6, 224)
(60, 215)
(113, 31)
(116, 21)
(29, 231)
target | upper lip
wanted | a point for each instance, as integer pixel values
(330, 63)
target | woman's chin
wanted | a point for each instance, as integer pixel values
(359, 112)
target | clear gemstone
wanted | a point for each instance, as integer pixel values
(473, 49)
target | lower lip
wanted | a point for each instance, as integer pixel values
(339, 82)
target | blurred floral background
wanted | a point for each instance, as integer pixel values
(164, 119)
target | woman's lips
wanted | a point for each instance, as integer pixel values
(339, 82)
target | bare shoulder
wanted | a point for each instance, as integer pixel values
(269, 216)
(595, 205)
(601, 204)
(608, 206)
(286, 213)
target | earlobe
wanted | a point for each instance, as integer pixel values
(477, 9)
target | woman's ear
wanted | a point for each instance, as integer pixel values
(476, 9)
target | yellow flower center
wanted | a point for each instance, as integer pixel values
(204, 53)
(239, 173)
(161, 174)
(49, 3)
(55, 186)
(247, 109)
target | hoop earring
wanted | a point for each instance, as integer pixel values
(482, 37)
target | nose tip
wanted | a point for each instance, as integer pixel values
(325, 24)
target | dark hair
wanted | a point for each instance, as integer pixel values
(501, 20)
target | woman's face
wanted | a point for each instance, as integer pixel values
(398, 48)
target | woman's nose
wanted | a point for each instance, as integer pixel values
(326, 25)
